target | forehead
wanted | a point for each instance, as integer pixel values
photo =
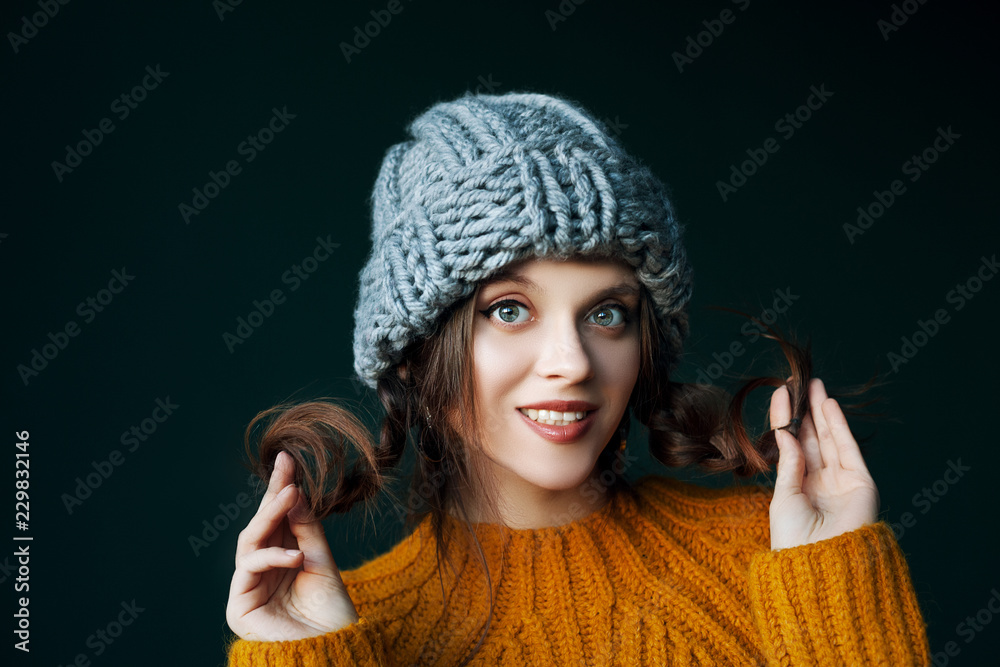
(535, 271)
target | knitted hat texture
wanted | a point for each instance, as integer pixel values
(489, 180)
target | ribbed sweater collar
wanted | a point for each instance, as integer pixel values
(522, 544)
(642, 559)
(587, 564)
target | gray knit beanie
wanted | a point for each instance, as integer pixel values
(488, 180)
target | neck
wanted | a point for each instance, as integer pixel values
(522, 505)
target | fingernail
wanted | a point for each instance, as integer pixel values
(292, 552)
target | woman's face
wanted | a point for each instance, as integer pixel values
(551, 331)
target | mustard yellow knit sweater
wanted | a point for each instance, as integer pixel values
(666, 573)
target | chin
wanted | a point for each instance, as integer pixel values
(569, 477)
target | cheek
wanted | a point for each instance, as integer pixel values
(619, 365)
(498, 368)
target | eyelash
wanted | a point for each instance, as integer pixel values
(488, 312)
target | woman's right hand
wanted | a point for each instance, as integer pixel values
(286, 584)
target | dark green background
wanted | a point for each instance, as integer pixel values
(162, 336)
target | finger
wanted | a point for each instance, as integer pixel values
(791, 466)
(826, 443)
(781, 407)
(806, 439)
(809, 442)
(781, 415)
(847, 446)
(311, 539)
(788, 481)
(264, 523)
(250, 567)
(281, 476)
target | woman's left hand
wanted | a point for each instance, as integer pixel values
(822, 488)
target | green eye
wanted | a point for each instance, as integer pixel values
(508, 311)
(511, 312)
(605, 315)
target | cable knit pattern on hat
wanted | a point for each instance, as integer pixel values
(488, 180)
(669, 573)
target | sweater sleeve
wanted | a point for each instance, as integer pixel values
(360, 644)
(846, 600)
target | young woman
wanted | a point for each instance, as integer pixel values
(525, 297)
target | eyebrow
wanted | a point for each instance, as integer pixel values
(621, 289)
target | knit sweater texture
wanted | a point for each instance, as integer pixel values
(666, 572)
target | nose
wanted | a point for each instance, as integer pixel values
(563, 354)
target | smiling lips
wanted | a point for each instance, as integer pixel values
(559, 421)
(552, 417)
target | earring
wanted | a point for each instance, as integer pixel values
(621, 447)
(427, 414)
(423, 453)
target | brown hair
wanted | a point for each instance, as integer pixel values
(689, 424)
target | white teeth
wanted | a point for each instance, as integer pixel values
(553, 417)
